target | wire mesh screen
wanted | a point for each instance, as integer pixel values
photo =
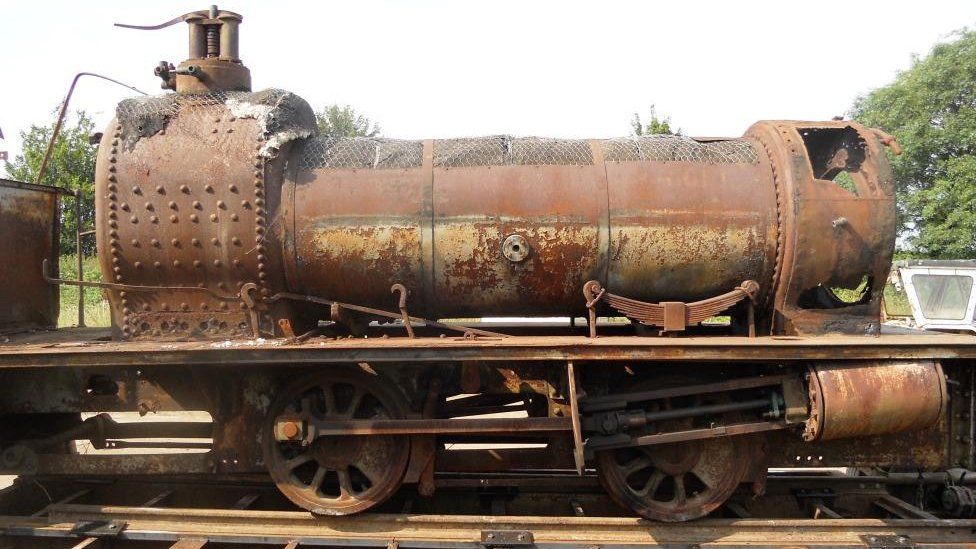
(506, 150)
(361, 152)
(676, 148)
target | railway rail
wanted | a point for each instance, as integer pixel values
(801, 510)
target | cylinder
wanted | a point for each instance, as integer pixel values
(850, 400)
(657, 218)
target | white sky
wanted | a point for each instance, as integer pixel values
(441, 68)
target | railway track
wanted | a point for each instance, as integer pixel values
(825, 510)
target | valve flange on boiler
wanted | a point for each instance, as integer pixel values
(213, 62)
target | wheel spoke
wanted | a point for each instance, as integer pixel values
(709, 476)
(366, 467)
(316, 482)
(345, 484)
(679, 490)
(298, 461)
(330, 402)
(652, 484)
(357, 398)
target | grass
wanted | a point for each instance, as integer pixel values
(96, 307)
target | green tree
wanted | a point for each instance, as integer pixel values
(72, 166)
(654, 126)
(344, 121)
(931, 109)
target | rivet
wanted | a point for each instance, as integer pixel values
(184, 306)
(259, 211)
(134, 219)
(157, 264)
(195, 241)
(233, 217)
(184, 189)
(111, 177)
(204, 306)
(194, 218)
(112, 187)
(260, 248)
(230, 130)
(213, 130)
(136, 190)
(215, 241)
(118, 278)
(221, 205)
(259, 230)
(135, 243)
(262, 275)
(243, 306)
(112, 159)
(237, 262)
(112, 206)
(261, 258)
(113, 150)
(113, 233)
(196, 205)
(160, 189)
(232, 188)
(259, 202)
(123, 294)
(258, 193)
(265, 292)
(208, 188)
(172, 205)
(235, 241)
(216, 119)
(111, 169)
(113, 224)
(197, 264)
(176, 263)
(245, 204)
(173, 218)
(126, 311)
(145, 307)
(175, 243)
(154, 219)
(222, 285)
(112, 215)
(154, 242)
(164, 306)
(124, 206)
(115, 141)
(116, 261)
(213, 217)
(257, 173)
(223, 306)
(149, 206)
(110, 196)
(217, 263)
(259, 221)
(117, 269)
(258, 162)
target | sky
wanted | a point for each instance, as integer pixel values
(432, 69)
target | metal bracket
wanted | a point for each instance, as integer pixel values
(887, 541)
(98, 528)
(506, 538)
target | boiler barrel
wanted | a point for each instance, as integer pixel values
(516, 226)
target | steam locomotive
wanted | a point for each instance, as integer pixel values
(716, 303)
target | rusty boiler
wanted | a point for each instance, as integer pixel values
(215, 188)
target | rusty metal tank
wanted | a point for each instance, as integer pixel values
(214, 188)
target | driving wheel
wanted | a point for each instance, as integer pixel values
(338, 475)
(680, 481)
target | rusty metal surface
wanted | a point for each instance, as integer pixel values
(29, 225)
(849, 400)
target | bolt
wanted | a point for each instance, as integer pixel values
(290, 430)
